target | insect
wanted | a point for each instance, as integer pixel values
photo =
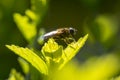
(65, 34)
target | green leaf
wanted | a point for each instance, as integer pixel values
(52, 51)
(103, 29)
(27, 24)
(31, 57)
(108, 26)
(117, 78)
(102, 67)
(24, 65)
(27, 29)
(14, 75)
(72, 50)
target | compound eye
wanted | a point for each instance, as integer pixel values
(72, 31)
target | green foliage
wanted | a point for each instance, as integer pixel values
(118, 78)
(103, 29)
(50, 62)
(95, 68)
(72, 50)
(52, 51)
(24, 65)
(27, 24)
(31, 57)
(107, 26)
(28, 29)
(53, 54)
(14, 75)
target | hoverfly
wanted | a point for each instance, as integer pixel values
(65, 34)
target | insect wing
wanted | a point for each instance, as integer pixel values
(49, 35)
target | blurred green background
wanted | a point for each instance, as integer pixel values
(99, 18)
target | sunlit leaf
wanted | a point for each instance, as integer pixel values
(14, 75)
(27, 29)
(117, 78)
(52, 50)
(27, 24)
(72, 50)
(31, 15)
(96, 68)
(31, 57)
